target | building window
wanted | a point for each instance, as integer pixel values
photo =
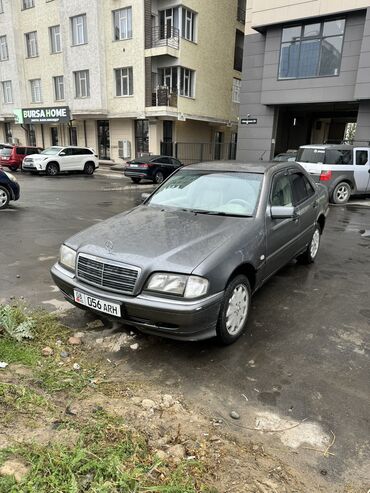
(36, 90)
(31, 44)
(122, 23)
(7, 91)
(186, 82)
(54, 136)
(31, 135)
(124, 81)
(1, 7)
(236, 90)
(73, 136)
(188, 24)
(239, 49)
(28, 4)
(82, 84)
(79, 30)
(59, 87)
(168, 78)
(55, 39)
(8, 132)
(312, 50)
(4, 55)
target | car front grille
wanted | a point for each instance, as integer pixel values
(112, 277)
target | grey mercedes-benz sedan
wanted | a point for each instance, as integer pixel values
(185, 263)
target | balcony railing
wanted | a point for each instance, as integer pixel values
(165, 36)
(162, 96)
(241, 15)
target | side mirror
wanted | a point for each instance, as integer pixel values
(144, 196)
(62, 153)
(281, 212)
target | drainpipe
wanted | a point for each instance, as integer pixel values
(42, 137)
(85, 133)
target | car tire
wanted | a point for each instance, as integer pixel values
(52, 169)
(13, 168)
(309, 256)
(341, 193)
(4, 197)
(89, 168)
(136, 180)
(158, 177)
(232, 323)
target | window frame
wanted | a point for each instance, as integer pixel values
(236, 90)
(53, 39)
(57, 85)
(306, 180)
(6, 86)
(128, 23)
(32, 47)
(4, 46)
(191, 81)
(183, 28)
(32, 85)
(1, 7)
(320, 37)
(130, 81)
(28, 4)
(275, 178)
(77, 74)
(75, 32)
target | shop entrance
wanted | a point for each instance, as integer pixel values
(313, 124)
(103, 139)
(141, 137)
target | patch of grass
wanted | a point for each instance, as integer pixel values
(54, 378)
(12, 351)
(15, 398)
(108, 458)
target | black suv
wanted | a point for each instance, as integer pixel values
(154, 168)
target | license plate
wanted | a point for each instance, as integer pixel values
(134, 165)
(97, 304)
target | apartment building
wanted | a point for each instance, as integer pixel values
(123, 76)
(306, 75)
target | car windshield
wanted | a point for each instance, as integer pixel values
(6, 151)
(51, 151)
(210, 192)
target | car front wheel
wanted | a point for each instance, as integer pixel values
(234, 310)
(158, 177)
(341, 193)
(309, 256)
(4, 197)
(52, 169)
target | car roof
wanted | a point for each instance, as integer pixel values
(241, 166)
(329, 146)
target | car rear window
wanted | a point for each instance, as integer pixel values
(6, 151)
(325, 156)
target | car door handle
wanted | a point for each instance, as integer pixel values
(315, 204)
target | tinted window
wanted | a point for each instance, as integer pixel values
(20, 150)
(175, 162)
(338, 156)
(282, 191)
(302, 188)
(361, 157)
(325, 156)
(81, 152)
(32, 150)
(162, 160)
(310, 155)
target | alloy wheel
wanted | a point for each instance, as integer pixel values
(315, 243)
(342, 193)
(237, 310)
(3, 198)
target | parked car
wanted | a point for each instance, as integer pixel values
(12, 156)
(286, 156)
(9, 188)
(56, 159)
(343, 169)
(154, 168)
(185, 263)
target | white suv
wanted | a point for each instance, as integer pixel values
(55, 159)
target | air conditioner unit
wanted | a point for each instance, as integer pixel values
(124, 149)
(15, 140)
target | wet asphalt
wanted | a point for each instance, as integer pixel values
(305, 356)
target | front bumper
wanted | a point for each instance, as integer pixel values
(176, 319)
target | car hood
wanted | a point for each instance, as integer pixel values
(154, 239)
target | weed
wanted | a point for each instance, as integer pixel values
(15, 323)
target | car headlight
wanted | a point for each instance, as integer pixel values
(11, 177)
(67, 257)
(178, 284)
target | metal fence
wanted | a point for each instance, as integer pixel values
(166, 36)
(194, 152)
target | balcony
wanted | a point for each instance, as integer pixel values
(162, 96)
(165, 41)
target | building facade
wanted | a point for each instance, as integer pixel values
(134, 76)
(306, 75)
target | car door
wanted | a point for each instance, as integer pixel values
(281, 234)
(164, 164)
(66, 159)
(362, 169)
(305, 205)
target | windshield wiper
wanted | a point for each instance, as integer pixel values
(216, 213)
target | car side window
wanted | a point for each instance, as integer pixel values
(302, 188)
(20, 150)
(68, 152)
(282, 191)
(362, 157)
(175, 162)
(162, 160)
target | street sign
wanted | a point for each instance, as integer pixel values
(248, 121)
